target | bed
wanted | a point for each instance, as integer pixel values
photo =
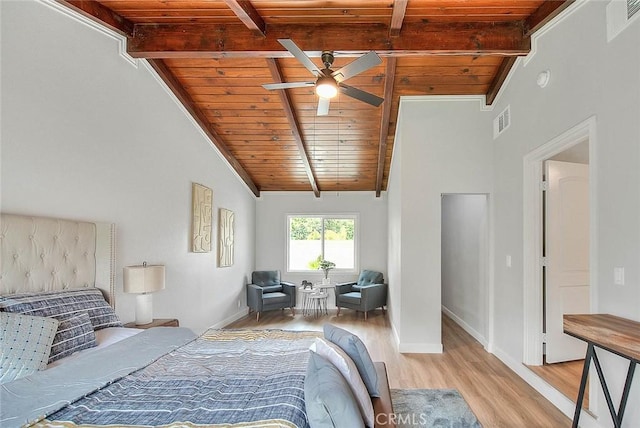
(57, 284)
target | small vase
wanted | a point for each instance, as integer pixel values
(326, 281)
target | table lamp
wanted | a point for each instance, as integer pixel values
(144, 280)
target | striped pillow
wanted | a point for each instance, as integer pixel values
(75, 333)
(60, 304)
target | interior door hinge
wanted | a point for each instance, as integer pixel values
(543, 261)
(544, 186)
(544, 337)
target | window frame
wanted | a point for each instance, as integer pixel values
(340, 216)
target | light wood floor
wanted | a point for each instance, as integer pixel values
(497, 396)
(565, 377)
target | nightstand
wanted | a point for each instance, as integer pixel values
(157, 322)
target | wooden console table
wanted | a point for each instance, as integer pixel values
(614, 334)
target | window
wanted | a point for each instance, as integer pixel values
(314, 237)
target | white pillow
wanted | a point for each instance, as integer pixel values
(348, 369)
(25, 344)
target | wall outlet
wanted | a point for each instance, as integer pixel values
(508, 261)
(239, 303)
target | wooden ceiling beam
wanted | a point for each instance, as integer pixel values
(100, 14)
(498, 80)
(276, 75)
(201, 119)
(390, 73)
(249, 16)
(545, 13)
(397, 17)
(235, 41)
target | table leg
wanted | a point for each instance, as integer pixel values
(605, 389)
(583, 385)
(308, 302)
(625, 392)
(616, 417)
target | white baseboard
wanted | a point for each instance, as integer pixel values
(413, 348)
(466, 327)
(396, 336)
(235, 317)
(556, 398)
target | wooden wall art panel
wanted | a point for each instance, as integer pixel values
(202, 209)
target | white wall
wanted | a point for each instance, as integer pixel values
(465, 261)
(445, 148)
(589, 77)
(86, 135)
(394, 218)
(272, 209)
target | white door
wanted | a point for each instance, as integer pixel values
(567, 255)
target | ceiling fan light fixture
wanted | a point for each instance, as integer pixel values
(326, 87)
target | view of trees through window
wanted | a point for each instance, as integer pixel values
(330, 238)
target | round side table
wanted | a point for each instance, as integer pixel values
(318, 303)
(306, 301)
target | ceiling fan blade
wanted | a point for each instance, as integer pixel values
(357, 66)
(287, 85)
(368, 98)
(323, 106)
(300, 56)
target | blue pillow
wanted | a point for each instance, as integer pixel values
(75, 333)
(328, 398)
(58, 304)
(368, 277)
(355, 348)
(25, 344)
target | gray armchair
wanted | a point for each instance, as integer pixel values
(368, 293)
(267, 292)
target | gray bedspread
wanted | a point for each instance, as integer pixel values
(223, 378)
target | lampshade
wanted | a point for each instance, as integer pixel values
(143, 279)
(326, 87)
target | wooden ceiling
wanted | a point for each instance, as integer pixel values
(216, 54)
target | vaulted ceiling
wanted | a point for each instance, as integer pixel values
(216, 54)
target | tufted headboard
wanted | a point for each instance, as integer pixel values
(46, 254)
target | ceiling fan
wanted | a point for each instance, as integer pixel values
(328, 81)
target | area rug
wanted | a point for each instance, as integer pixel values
(441, 408)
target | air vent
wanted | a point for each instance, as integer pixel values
(620, 14)
(633, 6)
(502, 122)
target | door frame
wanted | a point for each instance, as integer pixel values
(532, 233)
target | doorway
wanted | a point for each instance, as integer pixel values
(565, 278)
(580, 139)
(465, 262)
